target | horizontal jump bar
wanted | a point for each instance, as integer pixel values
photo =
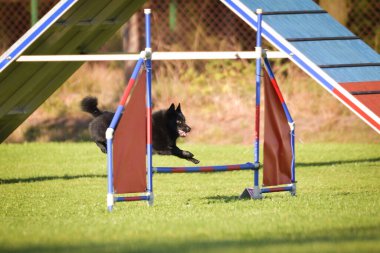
(294, 12)
(131, 198)
(201, 55)
(246, 166)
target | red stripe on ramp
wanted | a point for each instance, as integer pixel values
(357, 109)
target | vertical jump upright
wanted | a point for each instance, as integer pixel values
(258, 49)
(282, 181)
(145, 57)
(148, 66)
(138, 94)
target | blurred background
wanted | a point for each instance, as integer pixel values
(216, 96)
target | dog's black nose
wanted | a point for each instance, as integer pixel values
(188, 129)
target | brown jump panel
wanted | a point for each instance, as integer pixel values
(130, 144)
(277, 146)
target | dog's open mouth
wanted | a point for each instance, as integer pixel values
(182, 133)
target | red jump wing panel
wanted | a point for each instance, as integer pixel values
(277, 143)
(129, 155)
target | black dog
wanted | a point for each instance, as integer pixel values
(167, 126)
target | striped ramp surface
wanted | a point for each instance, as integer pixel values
(70, 27)
(326, 50)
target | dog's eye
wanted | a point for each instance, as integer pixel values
(178, 122)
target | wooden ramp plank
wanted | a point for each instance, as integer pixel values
(71, 27)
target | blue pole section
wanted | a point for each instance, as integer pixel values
(148, 64)
(292, 135)
(147, 27)
(293, 155)
(257, 193)
(277, 189)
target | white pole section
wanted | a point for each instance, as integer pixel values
(155, 56)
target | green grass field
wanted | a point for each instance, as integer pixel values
(53, 199)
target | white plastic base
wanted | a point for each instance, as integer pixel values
(151, 199)
(110, 201)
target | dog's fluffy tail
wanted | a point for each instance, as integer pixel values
(90, 105)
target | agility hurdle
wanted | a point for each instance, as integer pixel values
(278, 173)
(130, 169)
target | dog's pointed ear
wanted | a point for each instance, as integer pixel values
(171, 108)
(178, 108)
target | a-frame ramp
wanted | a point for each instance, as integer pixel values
(337, 59)
(70, 27)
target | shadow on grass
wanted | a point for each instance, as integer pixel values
(334, 240)
(224, 199)
(48, 178)
(330, 163)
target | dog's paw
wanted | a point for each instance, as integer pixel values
(187, 154)
(193, 160)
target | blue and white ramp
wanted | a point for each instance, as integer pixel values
(71, 27)
(332, 55)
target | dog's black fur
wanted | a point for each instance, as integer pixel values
(167, 126)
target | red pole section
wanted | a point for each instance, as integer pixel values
(131, 82)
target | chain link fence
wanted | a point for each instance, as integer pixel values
(182, 25)
(16, 18)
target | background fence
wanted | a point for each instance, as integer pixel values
(182, 25)
(190, 25)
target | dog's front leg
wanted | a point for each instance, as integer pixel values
(184, 154)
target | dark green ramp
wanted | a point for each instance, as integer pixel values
(71, 27)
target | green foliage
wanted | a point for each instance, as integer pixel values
(53, 200)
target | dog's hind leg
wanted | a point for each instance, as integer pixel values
(102, 145)
(163, 152)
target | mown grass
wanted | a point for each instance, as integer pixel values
(53, 200)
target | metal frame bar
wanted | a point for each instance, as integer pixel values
(295, 12)
(365, 92)
(288, 188)
(131, 198)
(353, 65)
(323, 38)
